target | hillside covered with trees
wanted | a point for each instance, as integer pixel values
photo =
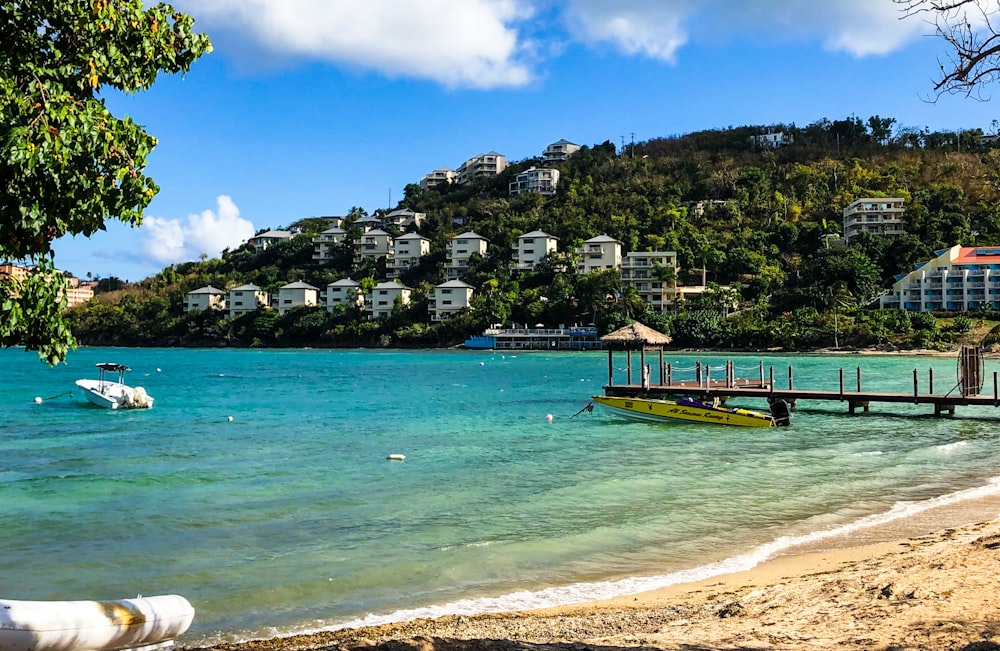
(749, 219)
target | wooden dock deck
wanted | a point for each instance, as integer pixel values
(764, 387)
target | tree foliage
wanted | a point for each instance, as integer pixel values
(66, 163)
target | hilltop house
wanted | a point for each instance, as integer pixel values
(531, 248)
(297, 294)
(601, 252)
(462, 248)
(246, 298)
(449, 298)
(344, 292)
(383, 299)
(204, 298)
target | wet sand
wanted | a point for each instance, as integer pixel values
(935, 591)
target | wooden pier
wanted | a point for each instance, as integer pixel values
(722, 383)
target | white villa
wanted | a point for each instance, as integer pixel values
(461, 250)
(960, 278)
(601, 252)
(404, 218)
(442, 176)
(205, 298)
(559, 151)
(639, 271)
(773, 140)
(367, 223)
(297, 294)
(449, 298)
(326, 243)
(483, 165)
(376, 243)
(407, 250)
(344, 292)
(246, 298)
(383, 299)
(531, 248)
(876, 216)
(266, 239)
(539, 180)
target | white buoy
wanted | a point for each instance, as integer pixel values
(157, 369)
(230, 419)
(482, 363)
(38, 400)
(396, 457)
(548, 417)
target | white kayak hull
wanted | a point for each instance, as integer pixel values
(140, 623)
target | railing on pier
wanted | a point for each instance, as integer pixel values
(723, 383)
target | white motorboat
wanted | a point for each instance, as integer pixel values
(114, 395)
(143, 623)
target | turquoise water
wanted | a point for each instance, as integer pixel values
(289, 518)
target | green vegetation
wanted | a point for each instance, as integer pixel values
(66, 163)
(751, 220)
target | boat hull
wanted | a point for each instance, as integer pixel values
(114, 395)
(140, 623)
(666, 411)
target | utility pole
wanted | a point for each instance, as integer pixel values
(623, 144)
(633, 143)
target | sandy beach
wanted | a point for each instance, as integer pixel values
(936, 591)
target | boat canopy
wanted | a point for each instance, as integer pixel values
(112, 367)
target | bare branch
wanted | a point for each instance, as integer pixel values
(970, 29)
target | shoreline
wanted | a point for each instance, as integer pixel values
(925, 581)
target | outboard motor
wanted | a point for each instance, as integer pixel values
(780, 412)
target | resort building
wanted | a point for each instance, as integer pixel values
(960, 279)
(460, 252)
(481, 166)
(17, 272)
(559, 151)
(383, 299)
(876, 216)
(539, 180)
(325, 244)
(407, 251)
(246, 298)
(642, 270)
(375, 243)
(297, 294)
(344, 292)
(268, 238)
(404, 218)
(449, 298)
(531, 248)
(204, 298)
(78, 293)
(443, 176)
(601, 252)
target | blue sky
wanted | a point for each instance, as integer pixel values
(311, 107)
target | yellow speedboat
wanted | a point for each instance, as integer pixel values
(687, 409)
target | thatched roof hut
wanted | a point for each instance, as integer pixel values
(635, 337)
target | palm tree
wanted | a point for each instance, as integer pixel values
(838, 296)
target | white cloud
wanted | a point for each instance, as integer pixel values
(166, 241)
(470, 43)
(657, 29)
(644, 27)
(502, 43)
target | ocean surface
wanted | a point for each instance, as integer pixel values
(289, 518)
